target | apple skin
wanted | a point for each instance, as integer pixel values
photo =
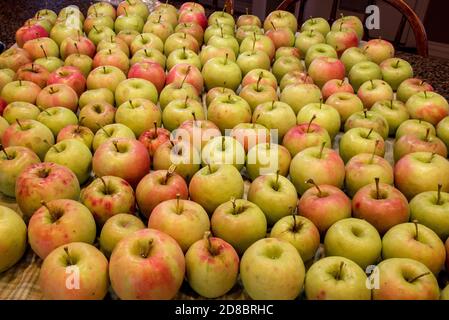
(228, 111)
(214, 70)
(324, 208)
(155, 277)
(250, 60)
(300, 232)
(108, 160)
(34, 49)
(389, 210)
(116, 228)
(351, 22)
(186, 71)
(128, 22)
(323, 69)
(287, 51)
(111, 57)
(56, 118)
(411, 86)
(427, 106)
(93, 273)
(335, 85)
(50, 63)
(351, 56)
(179, 40)
(60, 222)
(266, 158)
(19, 90)
(20, 111)
(363, 71)
(413, 143)
(250, 134)
(29, 32)
(221, 18)
(58, 95)
(225, 178)
(416, 127)
(135, 88)
(13, 58)
(256, 94)
(6, 76)
(370, 120)
(303, 136)
(360, 140)
(276, 116)
(174, 91)
(325, 116)
(133, 8)
(395, 71)
(325, 282)
(184, 220)
(443, 130)
(223, 150)
(146, 40)
(71, 45)
(374, 90)
(96, 115)
(430, 210)
(208, 52)
(80, 133)
(395, 275)
(275, 203)
(193, 16)
(157, 187)
(13, 238)
(346, 104)
(354, 239)
(324, 166)
(248, 20)
(198, 133)
(162, 29)
(394, 111)
(109, 132)
(152, 139)
(138, 115)
(34, 73)
(342, 38)
(419, 172)
(363, 168)
(31, 134)
(305, 40)
(80, 61)
(280, 19)
(279, 263)
(284, 65)
(402, 241)
(319, 50)
(212, 267)
(259, 42)
(267, 78)
(378, 50)
(317, 24)
(105, 77)
(299, 95)
(281, 37)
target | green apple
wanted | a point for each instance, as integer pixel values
(394, 111)
(13, 238)
(56, 118)
(354, 239)
(228, 111)
(363, 71)
(260, 43)
(307, 39)
(247, 31)
(250, 60)
(428, 106)
(395, 71)
(107, 77)
(183, 55)
(217, 30)
(316, 24)
(324, 115)
(224, 41)
(111, 131)
(100, 33)
(352, 56)
(176, 90)
(180, 110)
(443, 130)
(345, 103)
(370, 120)
(21, 111)
(81, 61)
(138, 115)
(361, 140)
(50, 63)
(209, 52)
(128, 22)
(257, 93)
(299, 95)
(135, 88)
(265, 158)
(98, 95)
(221, 18)
(275, 115)
(61, 31)
(221, 72)
(319, 50)
(6, 76)
(416, 127)
(223, 150)
(374, 90)
(282, 19)
(284, 65)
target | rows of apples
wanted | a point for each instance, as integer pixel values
(55, 133)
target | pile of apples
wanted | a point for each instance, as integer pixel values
(198, 149)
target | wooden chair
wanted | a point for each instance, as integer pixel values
(408, 15)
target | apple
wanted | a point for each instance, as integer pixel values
(116, 228)
(427, 106)
(405, 279)
(221, 71)
(135, 7)
(307, 39)
(184, 56)
(80, 61)
(179, 40)
(360, 140)
(284, 65)
(245, 31)
(3, 126)
(149, 55)
(92, 268)
(13, 161)
(287, 51)
(47, 14)
(31, 134)
(114, 156)
(59, 222)
(20, 90)
(335, 85)
(294, 77)
(248, 20)
(97, 115)
(442, 130)
(71, 11)
(299, 95)
(154, 276)
(415, 241)
(250, 134)
(430, 208)
(342, 38)
(319, 50)
(305, 135)
(224, 41)
(414, 126)
(37, 47)
(352, 56)
(322, 114)
(14, 58)
(97, 20)
(102, 8)
(58, 95)
(225, 178)
(70, 76)
(179, 110)
(56, 118)
(256, 94)
(393, 111)
(111, 57)
(183, 155)
(218, 92)
(135, 88)
(72, 45)
(281, 37)
(363, 71)
(196, 132)
(176, 90)
(105, 77)
(281, 19)
(363, 168)
(146, 40)
(223, 150)
(209, 52)
(128, 22)
(100, 33)
(259, 42)
(409, 87)
(20, 111)
(217, 274)
(138, 115)
(193, 16)
(228, 111)
(374, 90)
(167, 15)
(321, 164)
(300, 232)
(191, 74)
(275, 115)
(162, 29)
(101, 95)
(316, 24)
(381, 204)
(14, 238)
(336, 278)
(395, 71)
(370, 120)
(78, 132)
(63, 30)
(29, 32)
(40, 21)
(114, 43)
(192, 28)
(153, 138)
(265, 158)
(266, 78)
(276, 261)
(217, 29)
(324, 205)
(6, 76)
(351, 22)
(109, 132)
(378, 50)
(221, 17)
(414, 143)
(250, 60)
(162, 185)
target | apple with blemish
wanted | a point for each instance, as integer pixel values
(20, 111)
(77, 132)
(427, 106)
(153, 138)
(56, 118)
(411, 86)
(58, 95)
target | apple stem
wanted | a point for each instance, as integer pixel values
(338, 277)
(95, 10)
(178, 196)
(146, 251)
(131, 104)
(210, 248)
(365, 111)
(247, 11)
(369, 133)
(341, 26)
(226, 58)
(295, 227)
(95, 28)
(425, 94)
(420, 276)
(422, 82)
(4, 151)
(376, 144)
(276, 183)
(185, 77)
(234, 206)
(115, 143)
(221, 31)
(76, 47)
(427, 135)
(397, 63)
(274, 27)
(20, 82)
(69, 258)
(258, 82)
(440, 186)
(372, 84)
(126, 12)
(415, 222)
(155, 127)
(20, 125)
(310, 122)
(311, 181)
(391, 104)
(104, 130)
(53, 217)
(185, 101)
(323, 144)
(169, 173)
(194, 117)
(376, 180)
(159, 19)
(105, 185)
(223, 147)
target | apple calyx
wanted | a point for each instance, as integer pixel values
(418, 277)
(310, 122)
(145, 250)
(8, 157)
(340, 270)
(178, 204)
(185, 77)
(52, 90)
(373, 154)
(320, 193)
(212, 250)
(440, 186)
(69, 260)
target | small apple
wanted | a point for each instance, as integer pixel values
(153, 138)
(221, 71)
(70, 76)
(184, 56)
(305, 135)
(266, 76)
(105, 77)
(378, 50)
(149, 55)
(250, 60)
(411, 86)
(58, 95)
(427, 106)
(179, 40)
(319, 50)
(138, 115)
(259, 43)
(370, 120)
(395, 71)
(361, 140)
(299, 95)
(282, 19)
(111, 57)
(56, 118)
(179, 110)
(256, 94)
(80, 61)
(97, 115)
(374, 90)
(284, 65)
(177, 90)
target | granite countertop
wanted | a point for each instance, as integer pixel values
(15, 13)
